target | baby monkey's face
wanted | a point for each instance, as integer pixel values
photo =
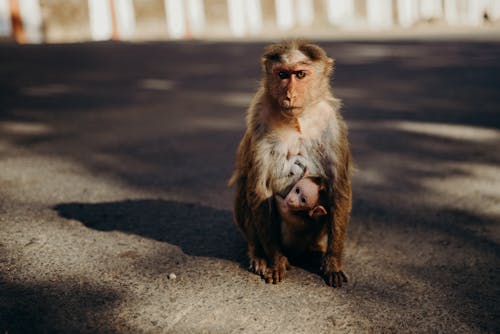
(303, 196)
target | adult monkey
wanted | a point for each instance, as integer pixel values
(292, 121)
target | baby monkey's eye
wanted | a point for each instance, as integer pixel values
(297, 190)
(300, 74)
(303, 200)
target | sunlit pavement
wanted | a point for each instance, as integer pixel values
(114, 160)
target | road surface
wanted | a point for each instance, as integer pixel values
(114, 159)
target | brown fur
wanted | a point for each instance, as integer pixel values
(287, 112)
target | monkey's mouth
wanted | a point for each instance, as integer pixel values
(290, 110)
(289, 103)
(289, 107)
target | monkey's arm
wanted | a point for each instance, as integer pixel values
(341, 207)
(264, 220)
(341, 202)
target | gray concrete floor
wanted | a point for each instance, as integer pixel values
(113, 164)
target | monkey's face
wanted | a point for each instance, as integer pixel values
(303, 196)
(293, 83)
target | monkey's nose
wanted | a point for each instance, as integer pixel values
(290, 94)
(287, 102)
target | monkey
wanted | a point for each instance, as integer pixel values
(294, 105)
(304, 196)
(300, 211)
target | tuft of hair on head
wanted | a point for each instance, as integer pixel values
(313, 51)
(273, 53)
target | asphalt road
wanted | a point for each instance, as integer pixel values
(114, 160)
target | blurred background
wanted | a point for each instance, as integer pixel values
(56, 21)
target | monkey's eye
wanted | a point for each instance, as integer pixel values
(300, 74)
(282, 74)
(297, 190)
(303, 199)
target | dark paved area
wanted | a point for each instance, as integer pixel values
(113, 165)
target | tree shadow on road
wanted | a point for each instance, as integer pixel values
(198, 230)
(58, 307)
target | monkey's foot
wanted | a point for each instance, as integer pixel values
(258, 266)
(332, 274)
(277, 272)
(335, 278)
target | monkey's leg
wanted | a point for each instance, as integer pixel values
(242, 214)
(258, 262)
(267, 227)
(332, 262)
(256, 255)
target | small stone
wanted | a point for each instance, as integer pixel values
(172, 276)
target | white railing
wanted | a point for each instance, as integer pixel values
(117, 19)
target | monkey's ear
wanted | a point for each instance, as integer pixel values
(317, 211)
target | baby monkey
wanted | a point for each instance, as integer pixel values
(304, 197)
(300, 212)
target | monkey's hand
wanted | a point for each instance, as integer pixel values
(277, 272)
(298, 166)
(333, 277)
(290, 172)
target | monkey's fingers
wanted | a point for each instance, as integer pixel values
(278, 275)
(269, 276)
(301, 162)
(258, 266)
(275, 275)
(335, 279)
